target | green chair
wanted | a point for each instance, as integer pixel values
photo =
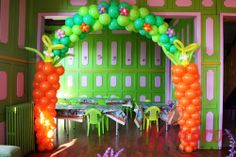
(151, 114)
(105, 118)
(94, 117)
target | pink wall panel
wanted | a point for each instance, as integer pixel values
(4, 17)
(209, 36)
(2, 133)
(183, 3)
(129, 1)
(3, 85)
(207, 3)
(21, 33)
(158, 3)
(230, 3)
(78, 2)
(20, 84)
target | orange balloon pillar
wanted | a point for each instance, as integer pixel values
(188, 92)
(46, 84)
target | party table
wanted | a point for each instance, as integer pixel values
(75, 108)
(140, 108)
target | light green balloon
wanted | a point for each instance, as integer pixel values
(133, 14)
(162, 29)
(104, 19)
(123, 20)
(130, 27)
(93, 11)
(74, 37)
(156, 38)
(83, 10)
(67, 30)
(97, 26)
(154, 30)
(143, 12)
(76, 30)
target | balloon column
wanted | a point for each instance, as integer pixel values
(46, 84)
(115, 16)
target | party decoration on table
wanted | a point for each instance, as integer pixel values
(110, 153)
(232, 150)
(115, 16)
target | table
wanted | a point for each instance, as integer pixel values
(140, 108)
(75, 108)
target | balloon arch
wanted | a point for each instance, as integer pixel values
(113, 15)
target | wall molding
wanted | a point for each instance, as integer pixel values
(12, 59)
(114, 70)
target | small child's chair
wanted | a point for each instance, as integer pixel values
(151, 114)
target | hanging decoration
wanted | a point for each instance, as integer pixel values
(113, 15)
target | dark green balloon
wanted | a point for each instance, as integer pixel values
(113, 11)
(125, 4)
(56, 52)
(159, 20)
(69, 22)
(114, 25)
(173, 49)
(151, 19)
(64, 50)
(164, 38)
(55, 41)
(138, 23)
(65, 40)
(104, 3)
(148, 36)
(167, 46)
(82, 36)
(77, 19)
(88, 19)
(142, 32)
(172, 39)
(114, 3)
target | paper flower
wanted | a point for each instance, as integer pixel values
(60, 33)
(147, 27)
(48, 54)
(124, 11)
(84, 27)
(170, 32)
(102, 9)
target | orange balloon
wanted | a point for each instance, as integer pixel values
(194, 130)
(179, 94)
(176, 79)
(186, 116)
(196, 77)
(182, 87)
(184, 101)
(195, 115)
(195, 85)
(178, 70)
(196, 101)
(198, 92)
(190, 94)
(188, 78)
(190, 109)
(183, 142)
(188, 149)
(181, 121)
(181, 147)
(185, 129)
(193, 144)
(198, 107)
(192, 68)
(190, 123)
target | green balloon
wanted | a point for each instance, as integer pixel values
(97, 26)
(104, 19)
(162, 29)
(159, 20)
(143, 12)
(64, 50)
(77, 19)
(123, 20)
(173, 49)
(167, 46)
(142, 32)
(130, 27)
(83, 10)
(156, 38)
(151, 19)
(88, 19)
(104, 3)
(93, 11)
(172, 39)
(55, 41)
(164, 38)
(67, 30)
(76, 30)
(82, 36)
(114, 3)
(125, 4)
(113, 11)
(69, 22)
(148, 36)
(57, 52)
(73, 38)
(138, 23)
(133, 14)
(114, 25)
(65, 41)
(154, 30)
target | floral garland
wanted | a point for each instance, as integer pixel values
(110, 153)
(232, 151)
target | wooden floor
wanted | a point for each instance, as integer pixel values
(135, 142)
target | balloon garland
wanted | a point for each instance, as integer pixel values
(115, 16)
